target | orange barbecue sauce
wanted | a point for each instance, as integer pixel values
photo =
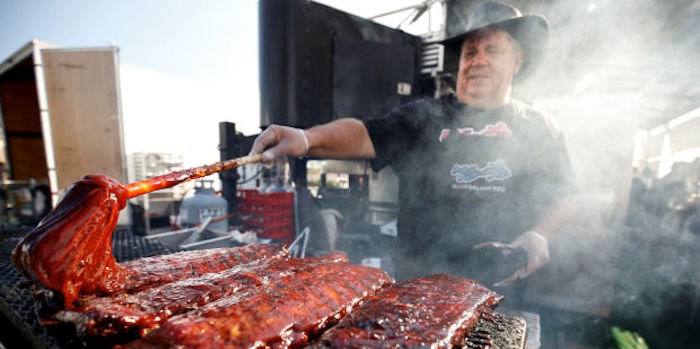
(70, 251)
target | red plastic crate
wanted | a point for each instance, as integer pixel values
(271, 215)
(254, 197)
(267, 225)
(283, 233)
(247, 193)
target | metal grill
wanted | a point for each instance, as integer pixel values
(19, 307)
(498, 331)
(127, 246)
(17, 304)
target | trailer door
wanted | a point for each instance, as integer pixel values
(81, 116)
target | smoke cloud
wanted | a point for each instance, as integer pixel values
(614, 68)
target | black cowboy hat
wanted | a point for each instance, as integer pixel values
(530, 31)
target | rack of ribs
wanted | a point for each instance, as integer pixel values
(158, 270)
(435, 311)
(279, 312)
(70, 251)
(141, 312)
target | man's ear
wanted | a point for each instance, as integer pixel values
(519, 56)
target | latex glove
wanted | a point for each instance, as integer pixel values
(537, 248)
(279, 141)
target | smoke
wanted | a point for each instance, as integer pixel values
(613, 68)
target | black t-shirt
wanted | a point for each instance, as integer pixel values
(466, 176)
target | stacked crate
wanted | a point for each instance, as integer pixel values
(270, 215)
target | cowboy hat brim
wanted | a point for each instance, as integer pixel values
(530, 31)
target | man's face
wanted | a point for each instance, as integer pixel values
(487, 64)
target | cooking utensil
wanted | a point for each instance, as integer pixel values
(70, 250)
(175, 178)
(505, 262)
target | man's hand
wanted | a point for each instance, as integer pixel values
(534, 244)
(280, 141)
(537, 248)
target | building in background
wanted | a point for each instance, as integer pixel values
(154, 210)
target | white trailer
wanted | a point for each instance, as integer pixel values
(61, 115)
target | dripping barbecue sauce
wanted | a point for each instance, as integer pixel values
(70, 251)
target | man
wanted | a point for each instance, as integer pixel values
(476, 171)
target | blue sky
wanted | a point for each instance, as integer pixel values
(178, 59)
(195, 62)
(197, 39)
(188, 38)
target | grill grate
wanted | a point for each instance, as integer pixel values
(496, 330)
(19, 308)
(17, 303)
(127, 246)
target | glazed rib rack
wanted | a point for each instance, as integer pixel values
(18, 306)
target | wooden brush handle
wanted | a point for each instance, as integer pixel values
(171, 179)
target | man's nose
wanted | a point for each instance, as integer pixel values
(479, 58)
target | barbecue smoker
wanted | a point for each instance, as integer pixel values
(316, 65)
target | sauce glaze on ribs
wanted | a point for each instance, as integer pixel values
(435, 311)
(142, 311)
(270, 302)
(70, 251)
(158, 270)
(280, 312)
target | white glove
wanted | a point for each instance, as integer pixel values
(279, 141)
(537, 248)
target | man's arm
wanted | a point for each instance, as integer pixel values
(536, 240)
(340, 139)
(555, 217)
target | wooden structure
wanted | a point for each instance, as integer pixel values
(61, 115)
